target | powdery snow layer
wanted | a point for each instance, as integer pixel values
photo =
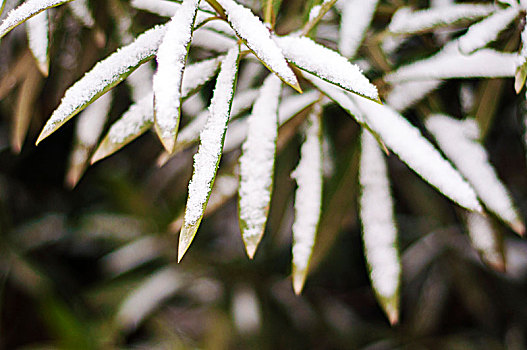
(257, 163)
(378, 228)
(136, 120)
(485, 239)
(406, 21)
(162, 8)
(355, 19)
(308, 198)
(38, 37)
(486, 31)
(171, 60)
(326, 64)
(458, 139)
(104, 75)
(258, 39)
(197, 74)
(404, 95)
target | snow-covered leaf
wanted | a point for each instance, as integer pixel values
(355, 19)
(2, 6)
(82, 12)
(458, 139)
(406, 21)
(171, 60)
(486, 31)
(486, 240)
(25, 11)
(162, 8)
(326, 64)
(38, 38)
(207, 159)
(308, 198)
(257, 164)
(449, 64)
(379, 232)
(521, 70)
(104, 76)
(258, 39)
(406, 94)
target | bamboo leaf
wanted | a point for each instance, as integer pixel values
(486, 240)
(521, 70)
(171, 61)
(308, 198)
(326, 64)
(404, 95)
(258, 39)
(2, 6)
(25, 11)
(257, 164)
(104, 76)
(379, 232)
(38, 38)
(207, 159)
(355, 19)
(458, 139)
(82, 12)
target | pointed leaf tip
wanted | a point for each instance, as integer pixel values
(188, 232)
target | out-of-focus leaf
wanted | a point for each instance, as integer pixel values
(487, 241)
(82, 12)
(38, 37)
(355, 19)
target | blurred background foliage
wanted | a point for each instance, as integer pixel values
(94, 267)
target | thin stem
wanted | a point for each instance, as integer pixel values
(268, 13)
(218, 8)
(324, 8)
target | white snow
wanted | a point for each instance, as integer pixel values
(292, 105)
(81, 11)
(140, 82)
(106, 73)
(404, 95)
(246, 310)
(308, 198)
(487, 30)
(211, 140)
(458, 139)
(91, 122)
(136, 120)
(376, 212)
(355, 20)
(212, 41)
(38, 37)
(313, 13)
(258, 39)
(523, 51)
(484, 238)
(163, 8)
(25, 11)
(171, 59)
(406, 21)
(326, 64)
(197, 74)
(257, 164)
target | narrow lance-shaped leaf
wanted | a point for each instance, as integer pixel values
(104, 76)
(25, 11)
(308, 198)
(406, 141)
(207, 159)
(38, 38)
(406, 94)
(355, 19)
(458, 139)
(82, 12)
(486, 31)
(162, 8)
(326, 64)
(2, 6)
(171, 60)
(258, 39)
(87, 132)
(486, 240)
(257, 164)
(379, 232)
(521, 70)
(406, 21)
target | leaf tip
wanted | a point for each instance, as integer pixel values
(250, 249)
(188, 232)
(518, 227)
(299, 279)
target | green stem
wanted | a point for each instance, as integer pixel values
(268, 13)
(324, 8)
(216, 6)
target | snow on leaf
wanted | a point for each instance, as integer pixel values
(207, 159)
(87, 132)
(458, 139)
(406, 94)
(486, 31)
(355, 19)
(326, 64)
(38, 38)
(197, 74)
(258, 39)
(521, 70)
(308, 198)
(171, 60)
(139, 82)
(406, 21)
(104, 76)
(486, 240)
(257, 164)
(449, 64)
(379, 232)
(25, 11)
(163, 8)
(2, 5)
(82, 12)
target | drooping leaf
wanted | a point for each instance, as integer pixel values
(38, 38)
(162, 8)
(104, 76)
(486, 240)
(132, 255)
(486, 31)
(171, 61)
(355, 19)
(379, 232)
(406, 21)
(207, 159)
(308, 198)
(521, 70)
(258, 39)
(25, 11)
(458, 139)
(82, 12)
(139, 82)
(257, 164)
(406, 94)
(326, 64)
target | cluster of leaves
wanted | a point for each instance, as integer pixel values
(230, 37)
